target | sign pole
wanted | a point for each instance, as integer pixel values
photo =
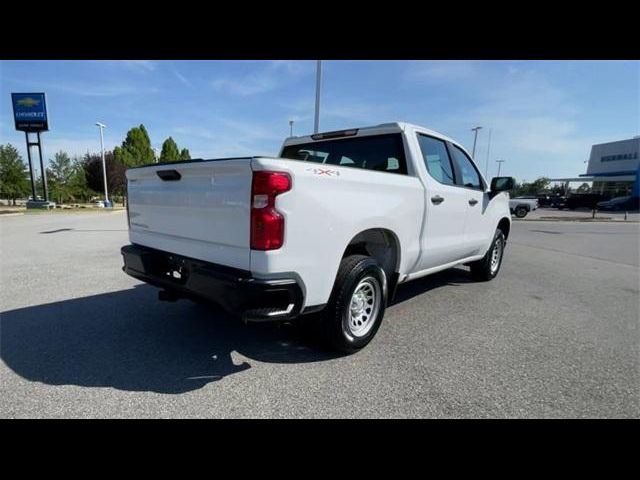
(44, 171)
(33, 183)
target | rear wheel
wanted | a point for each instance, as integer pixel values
(356, 306)
(488, 267)
(521, 212)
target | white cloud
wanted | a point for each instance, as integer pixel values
(352, 112)
(184, 80)
(228, 137)
(248, 85)
(293, 67)
(73, 146)
(139, 65)
(535, 124)
(441, 70)
(272, 75)
(104, 90)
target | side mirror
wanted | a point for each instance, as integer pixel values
(502, 184)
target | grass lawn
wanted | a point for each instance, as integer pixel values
(57, 211)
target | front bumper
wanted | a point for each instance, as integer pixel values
(237, 291)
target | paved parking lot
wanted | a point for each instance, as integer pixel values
(555, 335)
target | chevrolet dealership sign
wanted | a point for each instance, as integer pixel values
(30, 112)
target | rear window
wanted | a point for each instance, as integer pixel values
(383, 153)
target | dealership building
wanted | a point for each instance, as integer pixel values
(613, 170)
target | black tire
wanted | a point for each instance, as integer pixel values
(521, 212)
(482, 269)
(335, 319)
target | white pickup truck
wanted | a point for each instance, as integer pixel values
(328, 228)
(520, 206)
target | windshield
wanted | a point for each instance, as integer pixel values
(383, 153)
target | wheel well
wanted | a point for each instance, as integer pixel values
(505, 226)
(378, 243)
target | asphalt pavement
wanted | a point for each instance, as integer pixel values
(555, 335)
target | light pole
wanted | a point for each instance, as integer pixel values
(102, 126)
(291, 128)
(316, 123)
(499, 162)
(486, 167)
(475, 137)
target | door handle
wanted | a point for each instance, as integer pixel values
(473, 201)
(437, 200)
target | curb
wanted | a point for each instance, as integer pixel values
(582, 220)
(60, 212)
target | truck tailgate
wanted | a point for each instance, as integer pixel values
(200, 209)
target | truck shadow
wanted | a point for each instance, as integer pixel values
(453, 276)
(130, 341)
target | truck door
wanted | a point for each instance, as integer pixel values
(442, 239)
(478, 230)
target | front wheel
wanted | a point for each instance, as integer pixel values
(488, 267)
(357, 304)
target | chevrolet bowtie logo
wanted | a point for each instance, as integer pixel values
(28, 102)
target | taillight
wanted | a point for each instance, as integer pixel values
(267, 224)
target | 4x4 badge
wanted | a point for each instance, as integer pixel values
(324, 171)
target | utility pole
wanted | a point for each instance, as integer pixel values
(316, 124)
(499, 162)
(475, 137)
(102, 126)
(486, 167)
(291, 128)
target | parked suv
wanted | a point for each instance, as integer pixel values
(582, 200)
(627, 203)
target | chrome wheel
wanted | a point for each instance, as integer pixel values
(364, 306)
(496, 255)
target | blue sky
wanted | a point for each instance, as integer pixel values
(544, 115)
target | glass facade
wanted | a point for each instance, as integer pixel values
(612, 189)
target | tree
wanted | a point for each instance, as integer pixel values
(185, 155)
(584, 188)
(59, 174)
(67, 179)
(170, 151)
(536, 187)
(116, 179)
(78, 182)
(540, 185)
(136, 149)
(14, 176)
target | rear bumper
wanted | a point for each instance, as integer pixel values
(237, 291)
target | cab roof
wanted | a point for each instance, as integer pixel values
(392, 127)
